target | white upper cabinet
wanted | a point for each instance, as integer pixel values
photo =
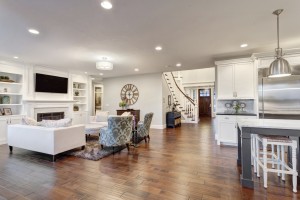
(225, 81)
(236, 80)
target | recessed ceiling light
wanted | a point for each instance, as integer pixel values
(85, 72)
(33, 31)
(178, 65)
(158, 48)
(244, 45)
(136, 69)
(106, 4)
(101, 74)
(16, 57)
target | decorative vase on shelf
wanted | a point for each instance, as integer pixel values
(76, 93)
(5, 100)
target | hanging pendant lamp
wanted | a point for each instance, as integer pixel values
(279, 67)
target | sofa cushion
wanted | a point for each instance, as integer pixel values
(56, 123)
(29, 121)
(102, 116)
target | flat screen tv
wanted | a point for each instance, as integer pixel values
(51, 84)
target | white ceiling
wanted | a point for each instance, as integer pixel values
(74, 34)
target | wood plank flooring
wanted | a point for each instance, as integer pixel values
(183, 163)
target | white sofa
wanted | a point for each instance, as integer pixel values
(100, 118)
(46, 140)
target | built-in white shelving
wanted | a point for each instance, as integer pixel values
(11, 87)
(80, 96)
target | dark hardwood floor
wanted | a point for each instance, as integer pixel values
(181, 163)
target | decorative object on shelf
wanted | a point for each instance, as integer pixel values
(7, 111)
(75, 108)
(129, 94)
(5, 100)
(74, 85)
(76, 93)
(5, 79)
(4, 89)
(122, 104)
(279, 67)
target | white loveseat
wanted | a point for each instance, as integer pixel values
(46, 140)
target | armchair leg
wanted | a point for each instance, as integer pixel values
(148, 137)
(145, 139)
(102, 146)
(127, 145)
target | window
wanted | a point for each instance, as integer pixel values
(204, 93)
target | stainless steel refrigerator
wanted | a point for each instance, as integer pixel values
(279, 98)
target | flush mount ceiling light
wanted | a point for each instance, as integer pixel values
(16, 57)
(104, 65)
(106, 4)
(279, 67)
(136, 69)
(33, 31)
(178, 65)
(158, 48)
(243, 45)
(101, 74)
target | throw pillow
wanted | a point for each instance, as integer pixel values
(56, 123)
(102, 116)
(125, 114)
(29, 121)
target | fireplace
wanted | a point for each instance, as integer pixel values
(50, 116)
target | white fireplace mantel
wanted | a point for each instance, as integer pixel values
(48, 101)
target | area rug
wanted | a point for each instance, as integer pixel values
(93, 149)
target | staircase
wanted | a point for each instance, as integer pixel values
(184, 103)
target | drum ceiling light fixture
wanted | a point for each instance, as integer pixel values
(104, 65)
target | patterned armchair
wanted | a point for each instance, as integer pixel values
(118, 132)
(143, 127)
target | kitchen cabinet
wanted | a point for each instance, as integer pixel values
(227, 128)
(235, 79)
(4, 122)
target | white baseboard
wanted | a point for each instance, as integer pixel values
(158, 126)
(3, 142)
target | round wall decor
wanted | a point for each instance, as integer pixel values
(129, 94)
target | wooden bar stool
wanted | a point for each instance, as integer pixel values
(274, 158)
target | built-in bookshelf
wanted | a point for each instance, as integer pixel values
(11, 86)
(80, 96)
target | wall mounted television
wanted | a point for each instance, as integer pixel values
(51, 84)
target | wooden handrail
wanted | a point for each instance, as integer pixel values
(189, 98)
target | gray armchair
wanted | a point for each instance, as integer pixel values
(118, 132)
(143, 127)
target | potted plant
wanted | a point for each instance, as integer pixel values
(122, 104)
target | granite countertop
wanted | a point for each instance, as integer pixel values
(270, 123)
(234, 113)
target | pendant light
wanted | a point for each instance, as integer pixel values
(279, 67)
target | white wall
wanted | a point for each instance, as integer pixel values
(150, 95)
(206, 75)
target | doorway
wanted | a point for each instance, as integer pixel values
(204, 103)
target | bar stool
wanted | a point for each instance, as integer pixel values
(276, 159)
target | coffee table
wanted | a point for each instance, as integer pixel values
(92, 129)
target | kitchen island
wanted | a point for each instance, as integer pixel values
(264, 127)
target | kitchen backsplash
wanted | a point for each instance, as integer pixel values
(228, 105)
